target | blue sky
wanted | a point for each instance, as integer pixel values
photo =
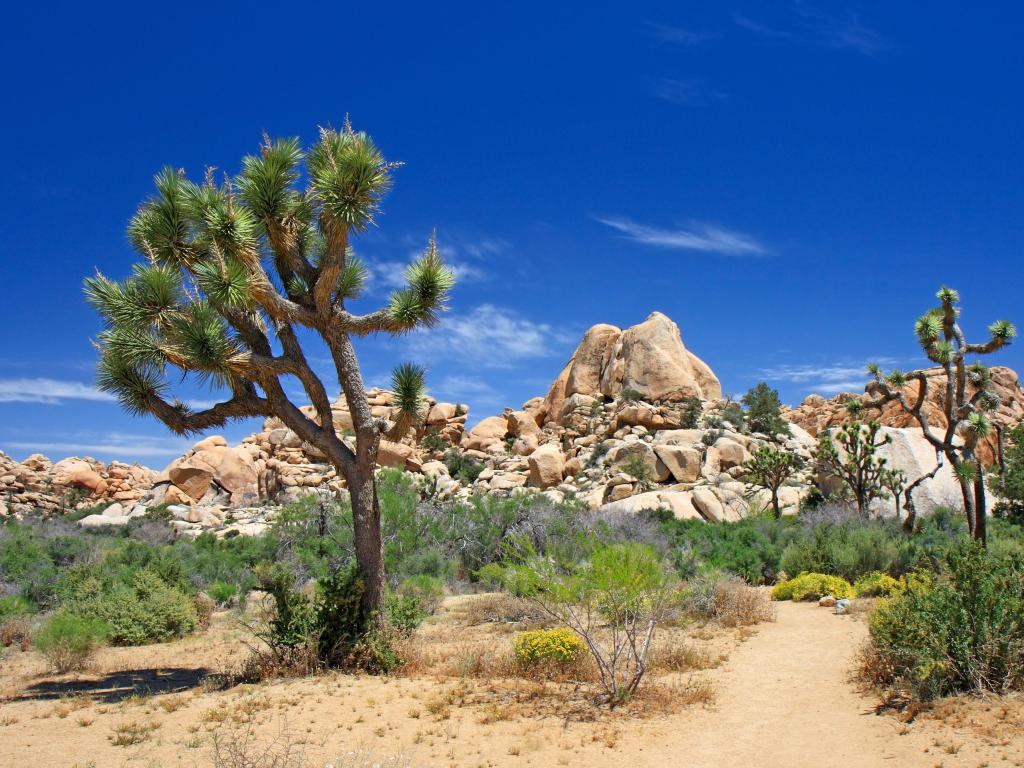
(790, 181)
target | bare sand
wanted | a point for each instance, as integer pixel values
(782, 697)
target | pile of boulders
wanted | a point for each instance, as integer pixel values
(38, 484)
(633, 421)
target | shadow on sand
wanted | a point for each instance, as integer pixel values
(118, 686)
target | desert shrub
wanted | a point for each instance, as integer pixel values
(328, 629)
(630, 395)
(15, 607)
(811, 586)
(733, 413)
(542, 647)
(428, 591)
(1011, 510)
(876, 584)
(690, 413)
(146, 610)
(491, 575)
(222, 593)
(69, 641)
(764, 410)
(963, 633)
(750, 548)
(637, 467)
(849, 549)
(728, 599)
(501, 608)
(432, 441)
(623, 586)
(462, 467)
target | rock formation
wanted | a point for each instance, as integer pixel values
(816, 414)
(37, 484)
(633, 421)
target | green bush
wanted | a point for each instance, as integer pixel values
(149, 610)
(69, 641)
(963, 633)
(462, 467)
(811, 586)
(329, 629)
(222, 593)
(558, 647)
(15, 607)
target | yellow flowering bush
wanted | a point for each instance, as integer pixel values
(811, 586)
(878, 584)
(548, 646)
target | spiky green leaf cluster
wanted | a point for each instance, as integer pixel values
(408, 384)
(928, 327)
(949, 297)
(1003, 329)
(267, 180)
(353, 278)
(348, 178)
(896, 378)
(979, 424)
(429, 282)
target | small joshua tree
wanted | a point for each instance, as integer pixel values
(939, 333)
(855, 461)
(770, 467)
(234, 271)
(895, 482)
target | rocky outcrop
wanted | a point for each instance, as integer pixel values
(37, 484)
(816, 414)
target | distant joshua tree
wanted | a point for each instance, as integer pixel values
(944, 343)
(233, 271)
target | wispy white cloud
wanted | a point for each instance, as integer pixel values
(825, 378)
(696, 237)
(676, 35)
(489, 337)
(48, 391)
(813, 26)
(125, 447)
(463, 256)
(688, 92)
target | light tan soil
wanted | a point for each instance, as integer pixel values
(782, 697)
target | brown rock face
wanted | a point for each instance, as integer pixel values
(816, 414)
(651, 359)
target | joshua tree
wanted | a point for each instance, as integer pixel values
(770, 467)
(234, 271)
(944, 343)
(895, 482)
(855, 461)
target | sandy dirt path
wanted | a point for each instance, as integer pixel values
(784, 699)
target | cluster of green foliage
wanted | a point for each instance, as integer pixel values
(588, 586)
(770, 467)
(68, 640)
(764, 411)
(462, 467)
(1011, 481)
(636, 467)
(629, 395)
(964, 632)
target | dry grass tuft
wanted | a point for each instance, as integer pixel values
(737, 604)
(132, 732)
(682, 657)
(501, 608)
